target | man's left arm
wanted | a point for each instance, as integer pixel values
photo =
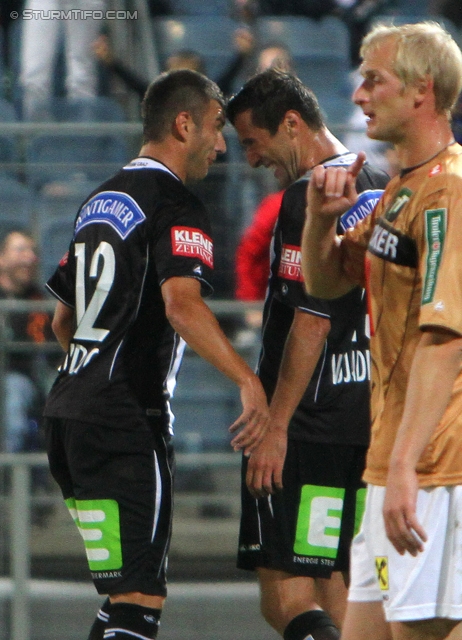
(434, 369)
(63, 324)
(303, 348)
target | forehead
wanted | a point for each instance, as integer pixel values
(380, 57)
(18, 241)
(214, 113)
(247, 131)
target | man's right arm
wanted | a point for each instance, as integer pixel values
(331, 191)
(192, 319)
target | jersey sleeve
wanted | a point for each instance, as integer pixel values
(289, 287)
(62, 283)
(183, 245)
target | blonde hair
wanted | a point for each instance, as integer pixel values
(423, 49)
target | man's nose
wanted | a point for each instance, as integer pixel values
(253, 158)
(220, 147)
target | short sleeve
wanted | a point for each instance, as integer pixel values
(183, 244)
(61, 283)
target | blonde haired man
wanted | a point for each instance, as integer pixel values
(406, 560)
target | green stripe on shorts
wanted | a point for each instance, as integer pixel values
(319, 521)
(99, 525)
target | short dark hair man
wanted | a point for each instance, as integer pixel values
(314, 368)
(129, 296)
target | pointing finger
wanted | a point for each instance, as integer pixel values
(357, 165)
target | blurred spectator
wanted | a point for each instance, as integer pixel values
(183, 59)
(159, 8)
(41, 38)
(24, 395)
(356, 14)
(450, 9)
(275, 55)
(7, 9)
(253, 252)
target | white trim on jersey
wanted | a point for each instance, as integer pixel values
(171, 379)
(314, 313)
(148, 163)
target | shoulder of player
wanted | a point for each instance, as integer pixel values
(293, 200)
(439, 180)
(371, 177)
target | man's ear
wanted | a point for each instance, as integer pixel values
(182, 126)
(424, 88)
(291, 122)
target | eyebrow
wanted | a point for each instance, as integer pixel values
(246, 141)
(369, 72)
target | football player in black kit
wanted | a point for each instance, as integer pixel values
(129, 295)
(302, 493)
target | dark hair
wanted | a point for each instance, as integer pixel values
(269, 95)
(171, 93)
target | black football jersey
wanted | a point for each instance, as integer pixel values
(335, 406)
(138, 229)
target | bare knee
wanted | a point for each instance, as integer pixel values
(284, 596)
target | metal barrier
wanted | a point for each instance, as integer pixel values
(18, 501)
(19, 587)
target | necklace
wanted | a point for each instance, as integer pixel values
(416, 166)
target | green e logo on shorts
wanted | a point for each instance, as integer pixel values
(319, 521)
(99, 525)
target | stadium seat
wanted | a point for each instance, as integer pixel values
(205, 405)
(410, 7)
(305, 36)
(200, 7)
(17, 203)
(320, 49)
(8, 143)
(210, 36)
(70, 157)
(55, 215)
(411, 18)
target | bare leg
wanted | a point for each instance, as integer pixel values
(284, 596)
(456, 633)
(433, 629)
(365, 620)
(331, 595)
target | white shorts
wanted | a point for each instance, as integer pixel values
(411, 588)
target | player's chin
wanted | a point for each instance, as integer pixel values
(198, 175)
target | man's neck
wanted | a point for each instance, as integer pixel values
(323, 145)
(421, 145)
(171, 155)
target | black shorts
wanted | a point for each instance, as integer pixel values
(117, 484)
(306, 529)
